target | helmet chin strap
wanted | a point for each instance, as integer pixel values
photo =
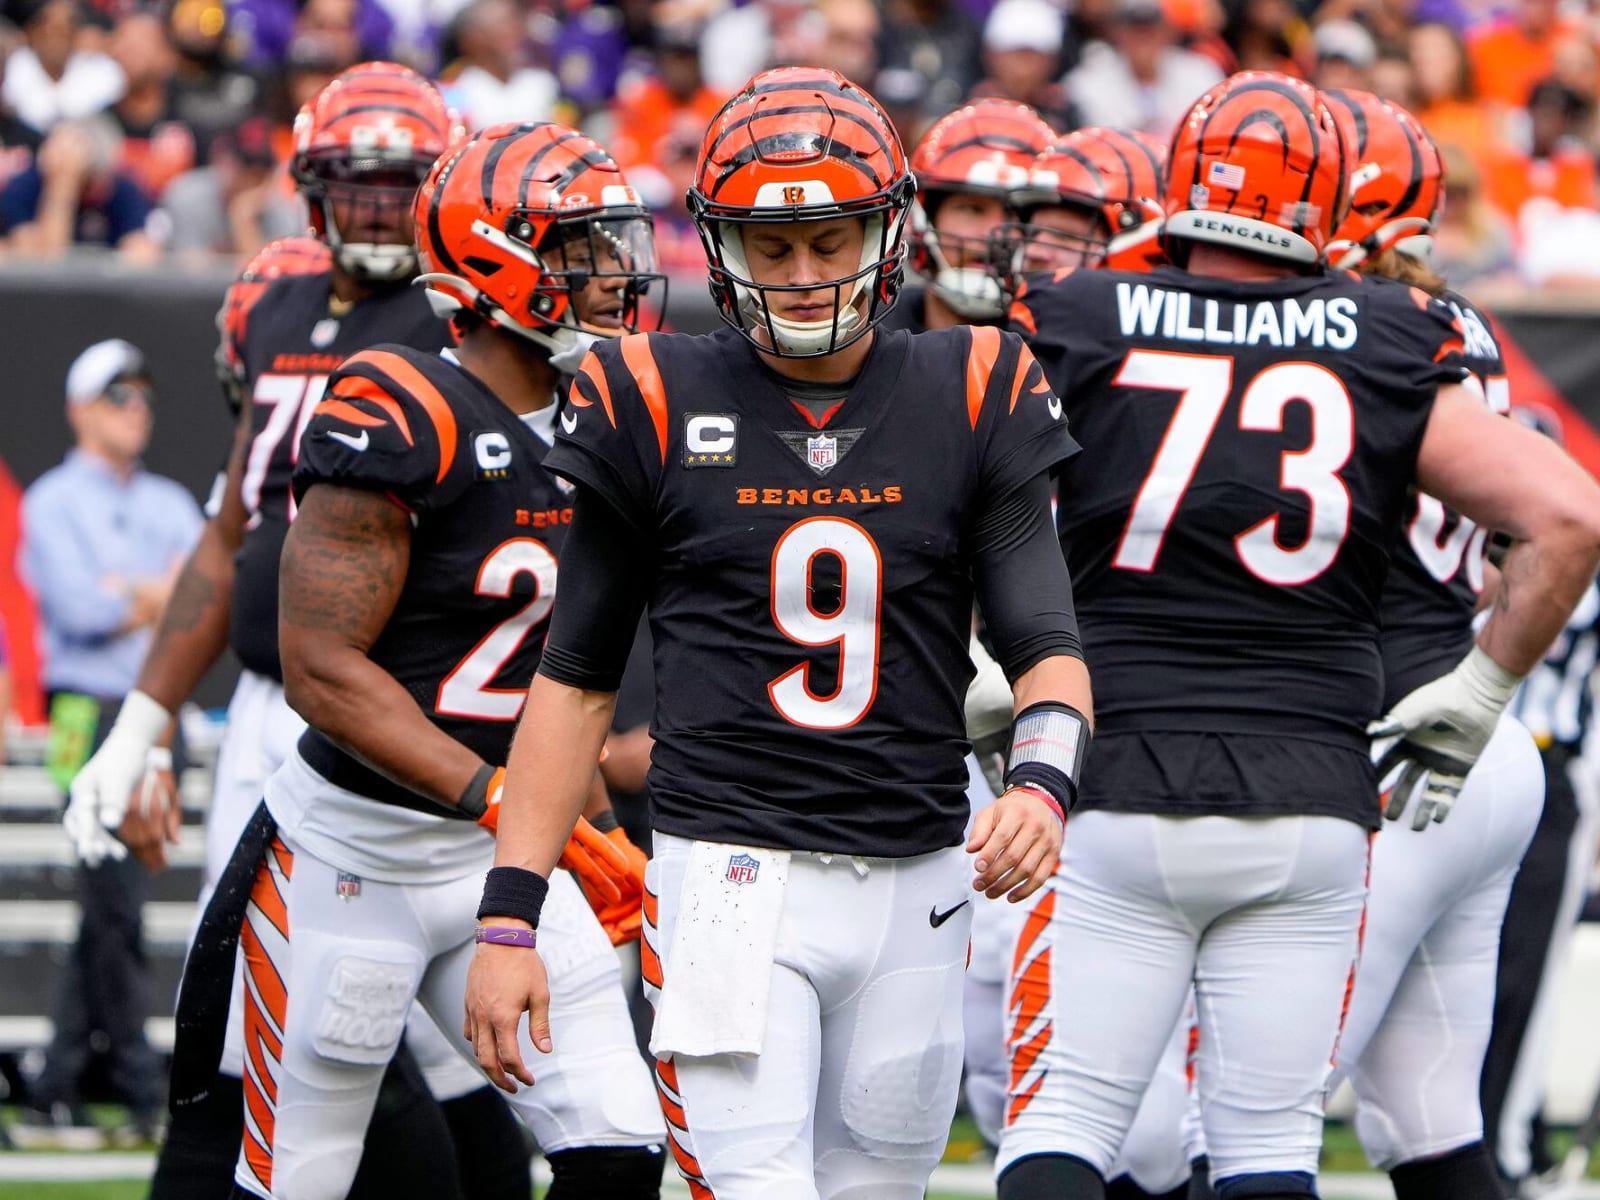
(970, 292)
(374, 262)
(449, 294)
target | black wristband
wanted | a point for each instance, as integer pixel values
(604, 822)
(513, 892)
(1049, 740)
(474, 801)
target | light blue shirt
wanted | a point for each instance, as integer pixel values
(84, 530)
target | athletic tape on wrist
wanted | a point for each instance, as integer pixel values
(513, 892)
(1048, 743)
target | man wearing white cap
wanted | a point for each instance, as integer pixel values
(1022, 42)
(101, 541)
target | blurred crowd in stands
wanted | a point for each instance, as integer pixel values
(165, 128)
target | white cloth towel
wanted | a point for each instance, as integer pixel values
(718, 967)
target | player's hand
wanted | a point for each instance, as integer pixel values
(155, 817)
(623, 919)
(1018, 843)
(1435, 734)
(604, 870)
(100, 792)
(504, 982)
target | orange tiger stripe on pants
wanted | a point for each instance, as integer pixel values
(264, 941)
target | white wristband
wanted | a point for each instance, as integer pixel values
(143, 718)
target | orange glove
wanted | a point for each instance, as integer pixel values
(604, 872)
(623, 921)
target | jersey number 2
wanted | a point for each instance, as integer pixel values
(852, 626)
(465, 692)
(1203, 383)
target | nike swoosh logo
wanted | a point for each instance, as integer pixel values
(937, 918)
(1054, 405)
(569, 422)
(503, 935)
(356, 441)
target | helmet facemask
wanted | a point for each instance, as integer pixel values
(361, 204)
(972, 290)
(859, 298)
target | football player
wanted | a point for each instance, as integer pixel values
(362, 145)
(1418, 1027)
(967, 166)
(417, 579)
(1252, 424)
(1093, 199)
(806, 504)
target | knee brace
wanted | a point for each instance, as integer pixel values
(1464, 1174)
(617, 1172)
(1268, 1185)
(1051, 1177)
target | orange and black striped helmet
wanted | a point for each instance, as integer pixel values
(534, 229)
(1113, 174)
(286, 256)
(1396, 179)
(987, 148)
(1257, 165)
(800, 144)
(362, 145)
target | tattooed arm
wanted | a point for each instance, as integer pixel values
(1507, 477)
(193, 631)
(344, 564)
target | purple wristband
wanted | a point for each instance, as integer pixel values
(507, 935)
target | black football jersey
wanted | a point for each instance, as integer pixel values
(1247, 450)
(487, 525)
(814, 582)
(1436, 575)
(296, 337)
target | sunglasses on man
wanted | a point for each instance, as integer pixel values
(129, 391)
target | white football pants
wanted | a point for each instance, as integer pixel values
(1419, 1018)
(1262, 916)
(855, 1085)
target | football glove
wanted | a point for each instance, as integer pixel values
(623, 920)
(100, 792)
(1435, 734)
(604, 871)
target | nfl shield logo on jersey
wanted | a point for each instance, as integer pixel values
(742, 868)
(822, 452)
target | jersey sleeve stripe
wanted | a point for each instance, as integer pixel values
(1022, 317)
(596, 374)
(1026, 365)
(426, 394)
(358, 387)
(981, 356)
(641, 362)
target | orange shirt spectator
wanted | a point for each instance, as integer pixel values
(1511, 55)
(1447, 101)
(648, 112)
(1558, 165)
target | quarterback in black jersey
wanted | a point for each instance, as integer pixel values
(1251, 424)
(297, 311)
(1417, 1031)
(805, 505)
(417, 581)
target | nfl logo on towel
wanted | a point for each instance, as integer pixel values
(742, 868)
(347, 887)
(1225, 175)
(822, 452)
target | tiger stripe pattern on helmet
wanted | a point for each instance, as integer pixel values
(1258, 164)
(1396, 177)
(801, 144)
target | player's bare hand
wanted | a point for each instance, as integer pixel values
(503, 983)
(154, 814)
(1017, 840)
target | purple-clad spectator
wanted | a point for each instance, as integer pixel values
(266, 28)
(597, 46)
